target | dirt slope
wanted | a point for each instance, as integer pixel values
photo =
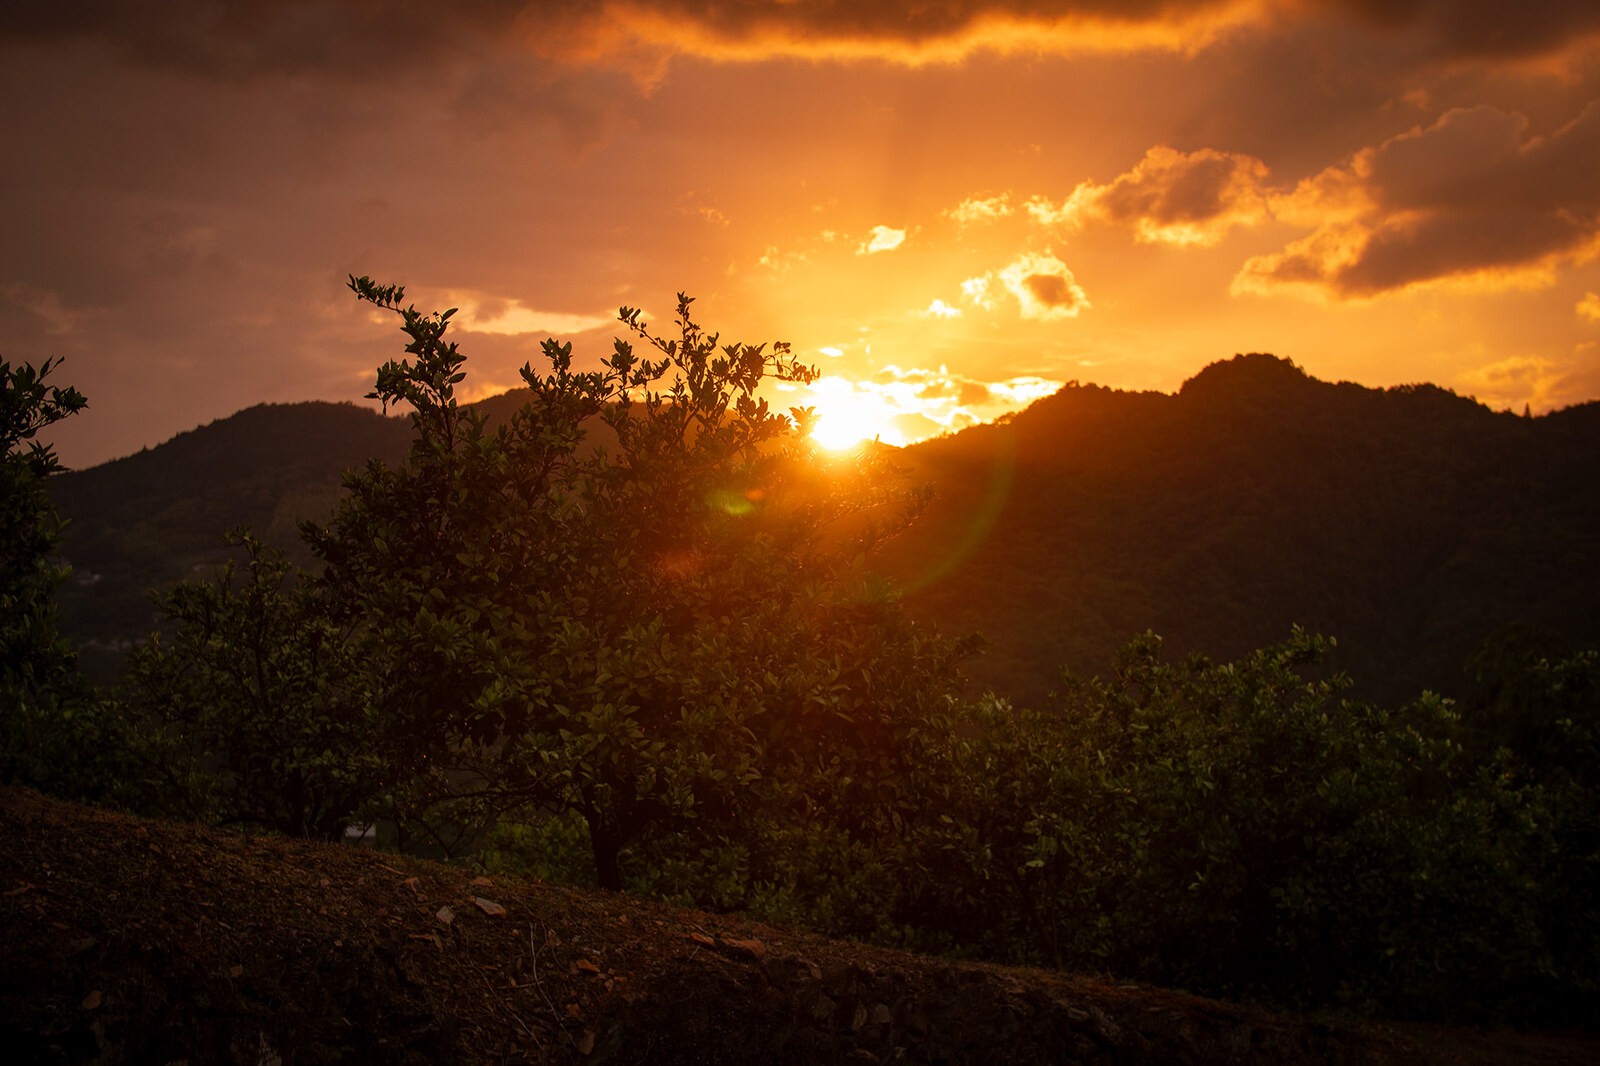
(130, 941)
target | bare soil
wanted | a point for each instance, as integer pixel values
(134, 941)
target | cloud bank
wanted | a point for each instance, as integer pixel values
(1171, 197)
(1471, 199)
(360, 36)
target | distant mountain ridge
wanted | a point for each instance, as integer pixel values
(157, 515)
(1409, 523)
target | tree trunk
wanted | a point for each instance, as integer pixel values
(606, 845)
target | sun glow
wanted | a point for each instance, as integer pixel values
(904, 406)
(847, 416)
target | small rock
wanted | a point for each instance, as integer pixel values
(92, 1000)
(754, 947)
(881, 1015)
(446, 915)
(489, 907)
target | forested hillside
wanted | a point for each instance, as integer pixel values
(1409, 523)
(154, 517)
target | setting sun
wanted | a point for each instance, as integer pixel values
(847, 416)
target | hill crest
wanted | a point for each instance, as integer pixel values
(1409, 523)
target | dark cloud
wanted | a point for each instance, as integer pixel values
(362, 37)
(349, 37)
(1051, 290)
(895, 20)
(1446, 245)
(964, 391)
(1480, 27)
(1174, 197)
(1199, 191)
(1044, 288)
(1461, 27)
(1471, 196)
(1481, 159)
(974, 393)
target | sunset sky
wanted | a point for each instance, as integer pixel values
(949, 207)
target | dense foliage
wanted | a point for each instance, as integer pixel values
(39, 682)
(33, 658)
(1235, 828)
(256, 701)
(665, 634)
(631, 634)
(1409, 522)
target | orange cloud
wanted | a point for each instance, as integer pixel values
(882, 239)
(1589, 307)
(1044, 287)
(358, 37)
(1171, 197)
(1542, 383)
(908, 33)
(880, 29)
(480, 313)
(1468, 201)
(977, 290)
(976, 209)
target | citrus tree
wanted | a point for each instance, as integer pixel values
(253, 706)
(37, 668)
(641, 600)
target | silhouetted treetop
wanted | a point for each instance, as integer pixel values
(1247, 378)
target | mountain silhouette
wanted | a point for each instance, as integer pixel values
(1409, 523)
(158, 515)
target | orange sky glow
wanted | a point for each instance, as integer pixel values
(950, 209)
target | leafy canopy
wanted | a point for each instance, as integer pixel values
(37, 668)
(641, 599)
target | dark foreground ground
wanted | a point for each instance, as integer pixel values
(130, 941)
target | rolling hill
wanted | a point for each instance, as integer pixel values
(158, 515)
(1409, 523)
